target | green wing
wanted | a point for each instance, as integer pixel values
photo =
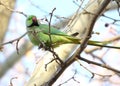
(53, 31)
(57, 36)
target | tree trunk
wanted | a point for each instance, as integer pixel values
(4, 17)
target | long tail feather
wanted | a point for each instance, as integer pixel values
(102, 44)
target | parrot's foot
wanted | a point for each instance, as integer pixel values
(42, 45)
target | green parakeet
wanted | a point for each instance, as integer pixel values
(39, 34)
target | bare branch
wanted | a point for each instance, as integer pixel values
(1, 3)
(98, 64)
(72, 78)
(11, 41)
(11, 84)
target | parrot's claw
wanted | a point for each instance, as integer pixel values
(42, 45)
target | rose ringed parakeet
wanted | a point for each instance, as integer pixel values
(39, 34)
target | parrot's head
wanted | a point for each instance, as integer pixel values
(32, 21)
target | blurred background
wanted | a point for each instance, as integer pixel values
(16, 69)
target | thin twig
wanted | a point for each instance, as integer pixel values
(11, 41)
(73, 77)
(103, 15)
(51, 48)
(49, 23)
(56, 58)
(93, 73)
(1, 3)
(98, 64)
(11, 84)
